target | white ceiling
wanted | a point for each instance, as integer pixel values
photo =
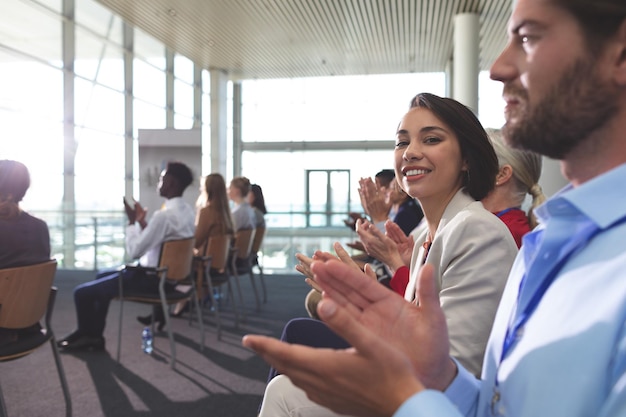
(306, 38)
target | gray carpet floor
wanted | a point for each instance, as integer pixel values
(223, 380)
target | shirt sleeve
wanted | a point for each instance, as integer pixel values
(459, 400)
(400, 280)
(427, 403)
(138, 241)
(463, 391)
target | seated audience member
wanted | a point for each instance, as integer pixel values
(518, 175)
(213, 218)
(243, 213)
(381, 183)
(24, 239)
(438, 143)
(557, 346)
(389, 202)
(257, 202)
(175, 220)
(407, 214)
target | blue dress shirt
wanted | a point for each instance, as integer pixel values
(569, 357)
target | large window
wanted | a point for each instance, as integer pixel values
(358, 108)
(330, 109)
(78, 151)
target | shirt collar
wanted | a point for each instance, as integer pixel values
(598, 199)
(172, 202)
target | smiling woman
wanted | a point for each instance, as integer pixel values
(444, 158)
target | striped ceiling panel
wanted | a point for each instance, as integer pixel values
(307, 38)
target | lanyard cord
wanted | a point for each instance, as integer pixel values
(511, 332)
(503, 212)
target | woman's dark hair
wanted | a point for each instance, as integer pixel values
(476, 149)
(259, 200)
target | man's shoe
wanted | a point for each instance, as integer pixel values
(159, 318)
(145, 320)
(77, 342)
(70, 337)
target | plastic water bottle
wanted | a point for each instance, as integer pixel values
(146, 340)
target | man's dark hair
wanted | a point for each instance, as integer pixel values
(385, 176)
(181, 172)
(599, 19)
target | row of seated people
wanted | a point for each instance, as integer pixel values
(470, 188)
(25, 240)
(176, 220)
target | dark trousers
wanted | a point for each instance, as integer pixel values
(92, 298)
(309, 332)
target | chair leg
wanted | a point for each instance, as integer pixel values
(61, 371)
(194, 295)
(256, 293)
(262, 283)
(215, 307)
(231, 296)
(243, 313)
(166, 314)
(3, 409)
(119, 327)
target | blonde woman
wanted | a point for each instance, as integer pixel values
(518, 175)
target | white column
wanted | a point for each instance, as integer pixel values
(237, 141)
(449, 70)
(465, 69)
(219, 102)
(69, 136)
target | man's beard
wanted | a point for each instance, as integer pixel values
(577, 105)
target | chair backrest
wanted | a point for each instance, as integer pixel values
(243, 242)
(217, 249)
(24, 294)
(177, 256)
(258, 239)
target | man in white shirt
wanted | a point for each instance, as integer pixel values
(175, 220)
(558, 342)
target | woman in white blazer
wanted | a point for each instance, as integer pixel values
(444, 159)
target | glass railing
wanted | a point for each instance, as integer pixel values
(96, 240)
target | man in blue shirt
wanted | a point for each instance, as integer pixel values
(558, 343)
